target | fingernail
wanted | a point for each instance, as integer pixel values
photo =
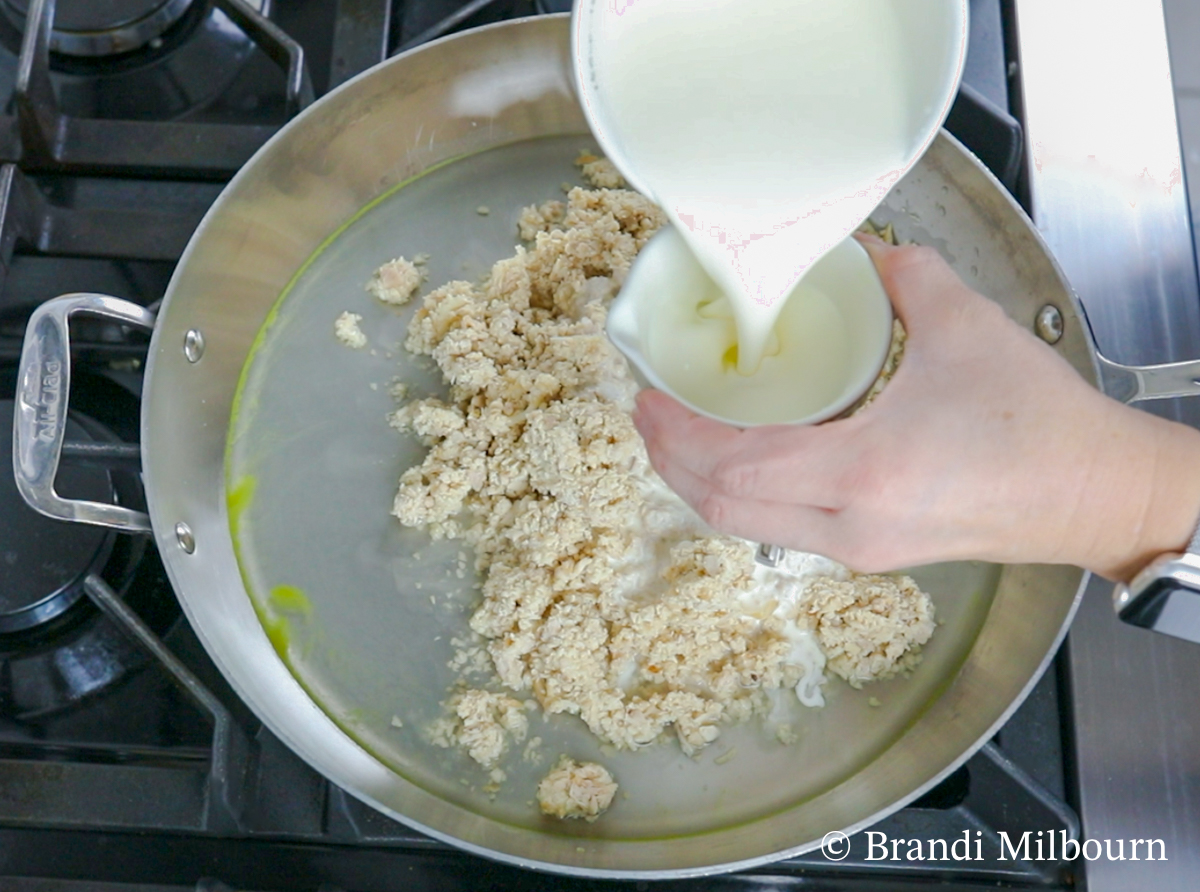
(639, 421)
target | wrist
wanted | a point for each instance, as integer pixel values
(1150, 506)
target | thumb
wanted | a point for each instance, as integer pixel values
(917, 279)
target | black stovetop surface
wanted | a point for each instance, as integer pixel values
(117, 767)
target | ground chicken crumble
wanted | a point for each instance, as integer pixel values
(482, 723)
(346, 329)
(535, 462)
(576, 790)
(397, 281)
(870, 627)
(599, 172)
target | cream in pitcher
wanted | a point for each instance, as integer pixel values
(768, 131)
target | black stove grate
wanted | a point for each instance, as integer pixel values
(43, 137)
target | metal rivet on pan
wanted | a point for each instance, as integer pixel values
(769, 555)
(193, 345)
(183, 534)
(1049, 324)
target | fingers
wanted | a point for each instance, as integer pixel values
(799, 527)
(797, 465)
(918, 280)
(698, 443)
(868, 238)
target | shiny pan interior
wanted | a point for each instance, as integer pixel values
(501, 101)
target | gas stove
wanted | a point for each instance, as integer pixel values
(126, 762)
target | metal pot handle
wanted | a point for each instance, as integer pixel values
(1132, 384)
(40, 423)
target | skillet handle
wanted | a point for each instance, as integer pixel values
(40, 424)
(1133, 384)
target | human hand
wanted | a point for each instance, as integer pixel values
(985, 445)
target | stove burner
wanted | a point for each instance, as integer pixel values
(104, 27)
(141, 60)
(44, 561)
(56, 648)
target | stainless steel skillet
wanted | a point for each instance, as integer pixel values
(362, 644)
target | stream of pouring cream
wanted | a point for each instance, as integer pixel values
(768, 130)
